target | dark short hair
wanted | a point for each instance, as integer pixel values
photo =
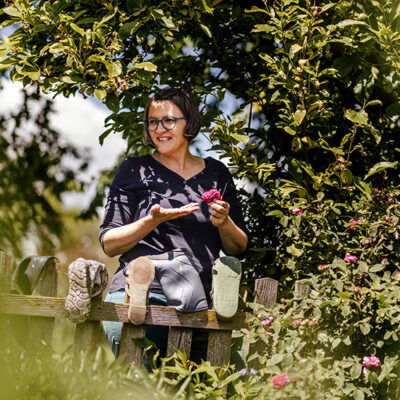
(185, 103)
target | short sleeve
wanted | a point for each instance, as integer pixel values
(121, 201)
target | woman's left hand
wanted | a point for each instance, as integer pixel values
(219, 212)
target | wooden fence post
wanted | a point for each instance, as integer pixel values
(133, 352)
(6, 271)
(179, 338)
(7, 322)
(219, 347)
(41, 328)
(266, 291)
(88, 333)
(300, 290)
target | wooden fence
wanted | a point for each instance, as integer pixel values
(42, 306)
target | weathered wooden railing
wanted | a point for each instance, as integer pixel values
(42, 307)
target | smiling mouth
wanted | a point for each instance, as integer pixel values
(163, 139)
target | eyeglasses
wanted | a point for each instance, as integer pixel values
(167, 123)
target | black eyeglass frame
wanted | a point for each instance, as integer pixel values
(146, 122)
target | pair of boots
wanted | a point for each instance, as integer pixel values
(174, 270)
(181, 284)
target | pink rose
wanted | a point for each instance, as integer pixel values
(210, 195)
(371, 362)
(388, 218)
(280, 381)
(357, 289)
(322, 267)
(296, 322)
(352, 224)
(267, 322)
(350, 258)
(297, 211)
(311, 323)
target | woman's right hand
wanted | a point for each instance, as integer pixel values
(123, 238)
(161, 214)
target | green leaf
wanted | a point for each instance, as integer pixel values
(76, 28)
(294, 49)
(393, 109)
(357, 117)
(100, 94)
(293, 250)
(299, 116)
(240, 138)
(114, 68)
(275, 213)
(168, 23)
(358, 394)
(275, 359)
(374, 103)
(128, 29)
(345, 64)
(146, 65)
(268, 59)
(206, 29)
(355, 371)
(336, 343)
(263, 28)
(112, 102)
(377, 268)
(289, 130)
(12, 11)
(104, 135)
(346, 176)
(381, 166)
(365, 328)
(206, 7)
(349, 22)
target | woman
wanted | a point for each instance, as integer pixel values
(155, 209)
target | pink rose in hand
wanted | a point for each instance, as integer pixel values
(280, 381)
(210, 195)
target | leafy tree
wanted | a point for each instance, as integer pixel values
(316, 87)
(36, 170)
(315, 130)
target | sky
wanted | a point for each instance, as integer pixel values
(80, 121)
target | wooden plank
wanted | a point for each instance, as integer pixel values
(181, 339)
(301, 290)
(129, 350)
(266, 291)
(156, 315)
(219, 348)
(41, 328)
(6, 271)
(88, 334)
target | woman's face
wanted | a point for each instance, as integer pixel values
(168, 141)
